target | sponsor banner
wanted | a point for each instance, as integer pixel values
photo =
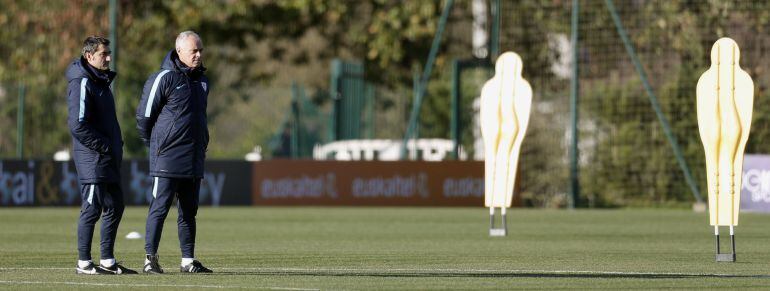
(49, 183)
(402, 183)
(755, 188)
(224, 183)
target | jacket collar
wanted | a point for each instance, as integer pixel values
(96, 74)
(172, 62)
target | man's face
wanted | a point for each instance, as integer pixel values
(101, 58)
(191, 52)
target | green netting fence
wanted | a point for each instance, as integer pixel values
(624, 155)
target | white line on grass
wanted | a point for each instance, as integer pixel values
(474, 271)
(437, 271)
(31, 268)
(463, 271)
(148, 285)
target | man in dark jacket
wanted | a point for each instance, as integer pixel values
(98, 151)
(171, 119)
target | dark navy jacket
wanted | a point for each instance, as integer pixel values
(97, 146)
(171, 119)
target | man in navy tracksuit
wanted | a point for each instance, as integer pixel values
(171, 119)
(97, 149)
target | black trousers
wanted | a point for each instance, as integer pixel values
(105, 200)
(164, 190)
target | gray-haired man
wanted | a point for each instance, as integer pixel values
(171, 119)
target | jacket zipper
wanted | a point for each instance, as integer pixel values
(195, 119)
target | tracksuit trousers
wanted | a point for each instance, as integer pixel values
(105, 200)
(163, 192)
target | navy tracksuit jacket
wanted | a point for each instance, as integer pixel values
(171, 119)
(97, 149)
(97, 145)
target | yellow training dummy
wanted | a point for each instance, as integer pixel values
(506, 100)
(725, 99)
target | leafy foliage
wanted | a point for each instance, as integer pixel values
(254, 50)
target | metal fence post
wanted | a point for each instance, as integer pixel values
(575, 94)
(423, 84)
(20, 122)
(654, 101)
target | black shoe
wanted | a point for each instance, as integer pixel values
(152, 267)
(91, 269)
(117, 269)
(195, 267)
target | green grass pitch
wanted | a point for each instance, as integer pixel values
(388, 248)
